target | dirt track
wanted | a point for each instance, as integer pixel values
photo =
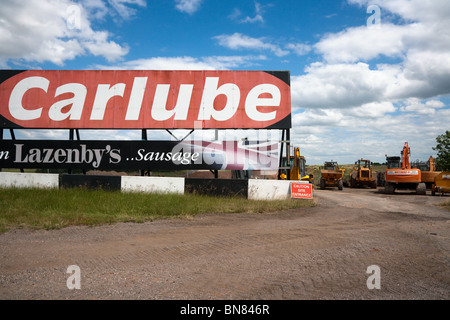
(314, 253)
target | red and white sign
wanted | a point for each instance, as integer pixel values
(145, 99)
(301, 190)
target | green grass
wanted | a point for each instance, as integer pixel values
(445, 205)
(58, 208)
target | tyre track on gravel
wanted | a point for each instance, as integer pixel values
(313, 253)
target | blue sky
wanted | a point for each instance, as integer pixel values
(362, 81)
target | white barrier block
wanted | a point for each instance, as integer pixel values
(259, 189)
(28, 180)
(152, 184)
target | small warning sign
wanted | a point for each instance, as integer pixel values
(301, 190)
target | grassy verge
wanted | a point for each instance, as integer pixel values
(445, 205)
(58, 208)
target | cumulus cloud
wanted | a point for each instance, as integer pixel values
(417, 106)
(236, 15)
(366, 131)
(371, 89)
(411, 10)
(372, 110)
(188, 6)
(337, 86)
(238, 41)
(186, 63)
(299, 48)
(57, 31)
(258, 15)
(420, 43)
(123, 8)
(378, 87)
(362, 43)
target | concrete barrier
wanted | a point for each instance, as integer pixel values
(254, 189)
(259, 189)
(27, 180)
(152, 184)
(217, 187)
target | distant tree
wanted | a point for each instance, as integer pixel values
(443, 151)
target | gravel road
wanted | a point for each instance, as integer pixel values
(322, 252)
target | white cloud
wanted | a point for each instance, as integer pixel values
(418, 45)
(372, 110)
(429, 73)
(100, 9)
(411, 10)
(123, 8)
(96, 9)
(188, 6)
(299, 48)
(56, 31)
(346, 135)
(389, 40)
(319, 118)
(348, 100)
(350, 119)
(419, 107)
(338, 86)
(162, 63)
(186, 63)
(98, 45)
(238, 41)
(236, 15)
(258, 15)
(362, 43)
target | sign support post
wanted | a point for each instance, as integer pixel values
(285, 144)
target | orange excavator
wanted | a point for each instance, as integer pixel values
(399, 174)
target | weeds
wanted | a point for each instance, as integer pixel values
(58, 208)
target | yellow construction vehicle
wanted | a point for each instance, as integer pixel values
(441, 183)
(362, 175)
(297, 165)
(331, 175)
(427, 170)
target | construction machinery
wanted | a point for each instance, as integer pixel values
(427, 171)
(399, 174)
(297, 164)
(441, 183)
(362, 175)
(331, 175)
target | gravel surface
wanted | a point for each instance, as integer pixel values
(313, 253)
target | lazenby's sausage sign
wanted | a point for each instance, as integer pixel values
(144, 99)
(119, 155)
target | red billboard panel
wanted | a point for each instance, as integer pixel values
(144, 99)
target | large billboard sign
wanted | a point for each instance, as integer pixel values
(144, 99)
(139, 155)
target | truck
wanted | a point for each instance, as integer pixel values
(427, 171)
(362, 175)
(441, 183)
(331, 175)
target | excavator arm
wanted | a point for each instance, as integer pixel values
(406, 153)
